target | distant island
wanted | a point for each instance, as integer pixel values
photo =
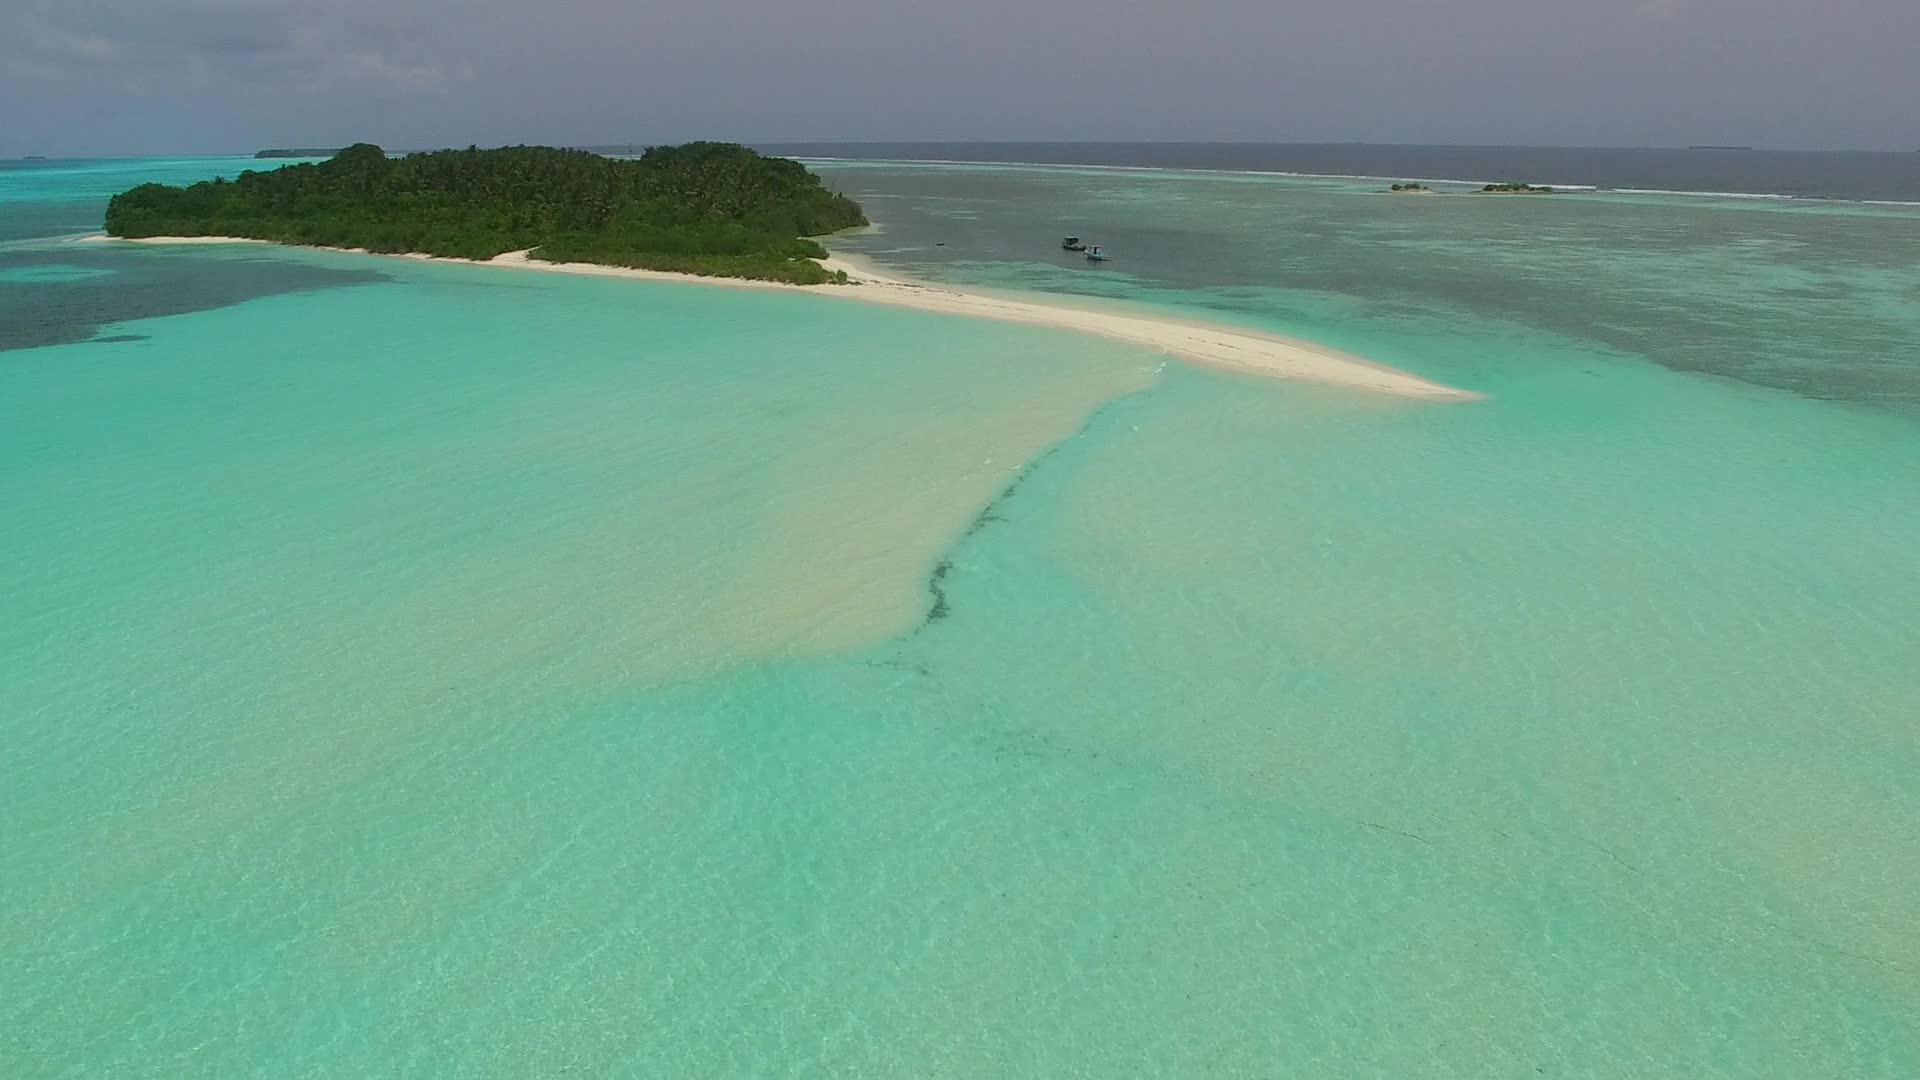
(1412, 189)
(1514, 187)
(1709, 147)
(296, 152)
(714, 209)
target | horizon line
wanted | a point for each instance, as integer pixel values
(1695, 147)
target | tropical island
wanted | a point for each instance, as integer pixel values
(1412, 188)
(296, 152)
(716, 211)
(1514, 187)
(711, 209)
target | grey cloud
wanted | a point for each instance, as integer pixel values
(180, 75)
(244, 42)
(367, 49)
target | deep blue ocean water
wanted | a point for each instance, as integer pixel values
(1803, 174)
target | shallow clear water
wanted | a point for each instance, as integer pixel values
(457, 671)
(1819, 299)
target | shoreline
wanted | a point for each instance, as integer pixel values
(1209, 345)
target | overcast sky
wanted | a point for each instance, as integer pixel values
(196, 76)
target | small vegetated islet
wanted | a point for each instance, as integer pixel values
(714, 209)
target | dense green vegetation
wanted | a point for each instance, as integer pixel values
(1515, 187)
(703, 208)
(1411, 186)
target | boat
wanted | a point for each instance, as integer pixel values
(1095, 254)
(1072, 243)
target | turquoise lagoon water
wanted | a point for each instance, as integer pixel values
(431, 670)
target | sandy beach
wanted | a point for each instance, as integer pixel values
(1224, 347)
